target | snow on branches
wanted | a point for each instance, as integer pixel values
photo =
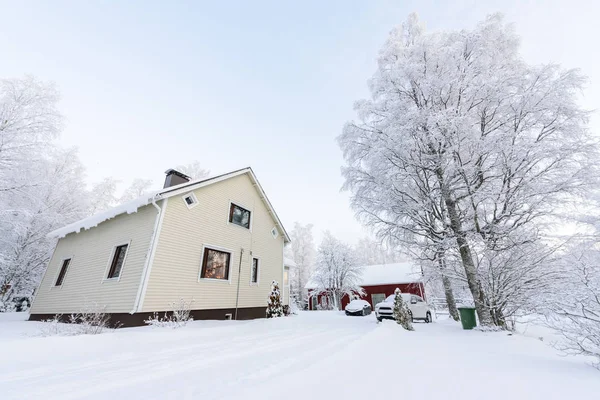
(401, 312)
(274, 306)
(464, 150)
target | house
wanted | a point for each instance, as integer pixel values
(378, 282)
(216, 242)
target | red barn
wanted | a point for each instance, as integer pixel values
(378, 282)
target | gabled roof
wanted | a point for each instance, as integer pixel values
(132, 206)
(385, 274)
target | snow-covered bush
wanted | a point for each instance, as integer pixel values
(401, 312)
(274, 307)
(91, 320)
(179, 316)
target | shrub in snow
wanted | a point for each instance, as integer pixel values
(274, 307)
(179, 316)
(91, 320)
(401, 312)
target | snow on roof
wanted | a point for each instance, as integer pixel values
(96, 219)
(132, 206)
(288, 262)
(385, 274)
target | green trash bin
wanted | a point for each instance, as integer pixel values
(467, 317)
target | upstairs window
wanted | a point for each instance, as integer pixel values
(254, 275)
(239, 216)
(190, 200)
(63, 272)
(215, 264)
(118, 259)
(274, 232)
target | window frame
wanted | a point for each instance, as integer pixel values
(275, 232)
(222, 250)
(110, 261)
(257, 283)
(230, 215)
(193, 196)
(54, 286)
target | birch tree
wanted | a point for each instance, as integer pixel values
(303, 254)
(337, 273)
(458, 124)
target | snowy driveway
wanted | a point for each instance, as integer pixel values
(314, 354)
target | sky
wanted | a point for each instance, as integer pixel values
(148, 85)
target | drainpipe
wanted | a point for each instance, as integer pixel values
(237, 297)
(138, 298)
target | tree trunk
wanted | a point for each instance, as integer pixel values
(447, 288)
(465, 254)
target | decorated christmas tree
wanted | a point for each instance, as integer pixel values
(274, 307)
(401, 312)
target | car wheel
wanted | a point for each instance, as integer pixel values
(379, 319)
(428, 317)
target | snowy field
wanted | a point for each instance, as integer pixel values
(324, 354)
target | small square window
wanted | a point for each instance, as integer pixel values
(239, 216)
(63, 272)
(117, 262)
(274, 232)
(190, 200)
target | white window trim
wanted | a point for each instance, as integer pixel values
(193, 196)
(105, 278)
(62, 260)
(257, 283)
(235, 203)
(276, 235)
(231, 263)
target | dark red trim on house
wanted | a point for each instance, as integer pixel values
(125, 320)
(412, 288)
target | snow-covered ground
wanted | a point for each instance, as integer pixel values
(324, 354)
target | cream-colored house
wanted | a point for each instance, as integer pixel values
(216, 242)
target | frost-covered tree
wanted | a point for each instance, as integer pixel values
(29, 121)
(138, 188)
(194, 170)
(573, 309)
(303, 253)
(103, 195)
(401, 311)
(56, 199)
(337, 272)
(274, 306)
(459, 124)
(371, 252)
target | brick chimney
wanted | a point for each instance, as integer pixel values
(175, 178)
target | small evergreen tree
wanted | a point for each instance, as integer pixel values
(274, 307)
(401, 312)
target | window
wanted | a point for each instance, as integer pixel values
(215, 264)
(190, 200)
(63, 272)
(117, 262)
(239, 216)
(286, 277)
(254, 276)
(274, 232)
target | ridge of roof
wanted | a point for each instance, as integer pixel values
(132, 206)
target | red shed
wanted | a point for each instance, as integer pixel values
(378, 282)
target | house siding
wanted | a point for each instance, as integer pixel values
(176, 266)
(90, 252)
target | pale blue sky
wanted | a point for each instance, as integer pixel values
(149, 85)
